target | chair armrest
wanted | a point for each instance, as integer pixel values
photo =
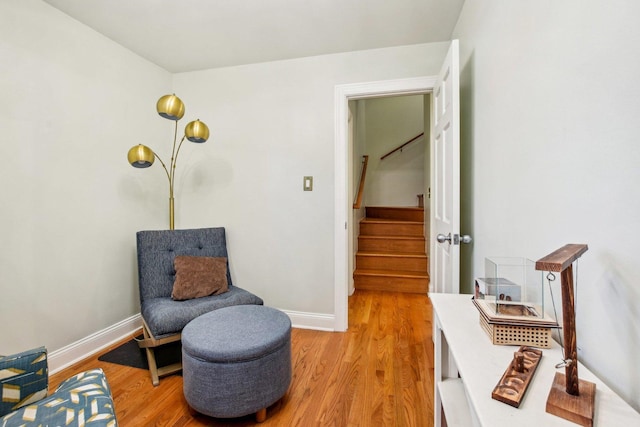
(24, 379)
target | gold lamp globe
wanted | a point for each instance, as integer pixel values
(196, 131)
(140, 156)
(170, 107)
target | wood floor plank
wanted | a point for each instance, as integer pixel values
(378, 373)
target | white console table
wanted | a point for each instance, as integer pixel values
(468, 366)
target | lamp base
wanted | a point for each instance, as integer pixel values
(577, 409)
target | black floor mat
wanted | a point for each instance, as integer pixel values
(129, 354)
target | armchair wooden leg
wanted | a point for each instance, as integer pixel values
(149, 343)
(153, 367)
(261, 415)
(151, 358)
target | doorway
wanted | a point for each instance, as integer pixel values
(389, 137)
(344, 172)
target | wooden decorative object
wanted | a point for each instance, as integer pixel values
(511, 330)
(514, 382)
(516, 334)
(570, 398)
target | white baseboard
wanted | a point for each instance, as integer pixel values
(303, 320)
(79, 350)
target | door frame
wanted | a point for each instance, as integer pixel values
(343, 225)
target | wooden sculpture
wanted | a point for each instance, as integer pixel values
(514, 382)
(570, 398)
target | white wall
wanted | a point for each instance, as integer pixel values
(73, 102)
(399, 178)
(273, 123)
(550, 99)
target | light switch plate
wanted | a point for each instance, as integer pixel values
(307, 183)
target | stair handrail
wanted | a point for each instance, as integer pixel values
(401, 146)
(363, 174)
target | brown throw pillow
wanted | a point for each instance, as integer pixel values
(198, 276)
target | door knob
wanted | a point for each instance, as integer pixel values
(457, 238)
(441, 238)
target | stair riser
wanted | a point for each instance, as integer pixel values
(390, 245)
(395, 213)
(393, 284)
(374, 262)
(392, 229)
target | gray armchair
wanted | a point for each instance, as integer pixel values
(163, 317)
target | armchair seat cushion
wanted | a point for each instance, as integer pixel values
(164, 316)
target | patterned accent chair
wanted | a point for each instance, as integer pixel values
(84, 399)
(163, 318)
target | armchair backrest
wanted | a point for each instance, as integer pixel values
(157, 250)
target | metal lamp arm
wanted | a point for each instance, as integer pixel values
(174, 160)
(163, 165)
(173, 155)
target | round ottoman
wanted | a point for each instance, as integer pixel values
(236, 360)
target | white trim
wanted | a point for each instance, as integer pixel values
(79, 350)
(316, 321)
(342, 223)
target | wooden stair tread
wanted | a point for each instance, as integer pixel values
(368, 220)
(412, 213)
(396, 254)
(379, 237)
(406, 208)
(390, 273)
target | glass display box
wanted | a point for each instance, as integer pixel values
(511, 287)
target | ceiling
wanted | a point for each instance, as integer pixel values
(188, 35)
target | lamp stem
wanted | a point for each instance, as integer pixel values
(171, 173)
(171, 214)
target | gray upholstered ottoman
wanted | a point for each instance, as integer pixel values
(236, 360)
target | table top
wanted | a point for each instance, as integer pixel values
(481, 365)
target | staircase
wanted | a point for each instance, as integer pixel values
(391, 251)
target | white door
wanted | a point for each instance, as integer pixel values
(445, 178)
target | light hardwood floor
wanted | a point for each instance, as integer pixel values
(378, 373)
